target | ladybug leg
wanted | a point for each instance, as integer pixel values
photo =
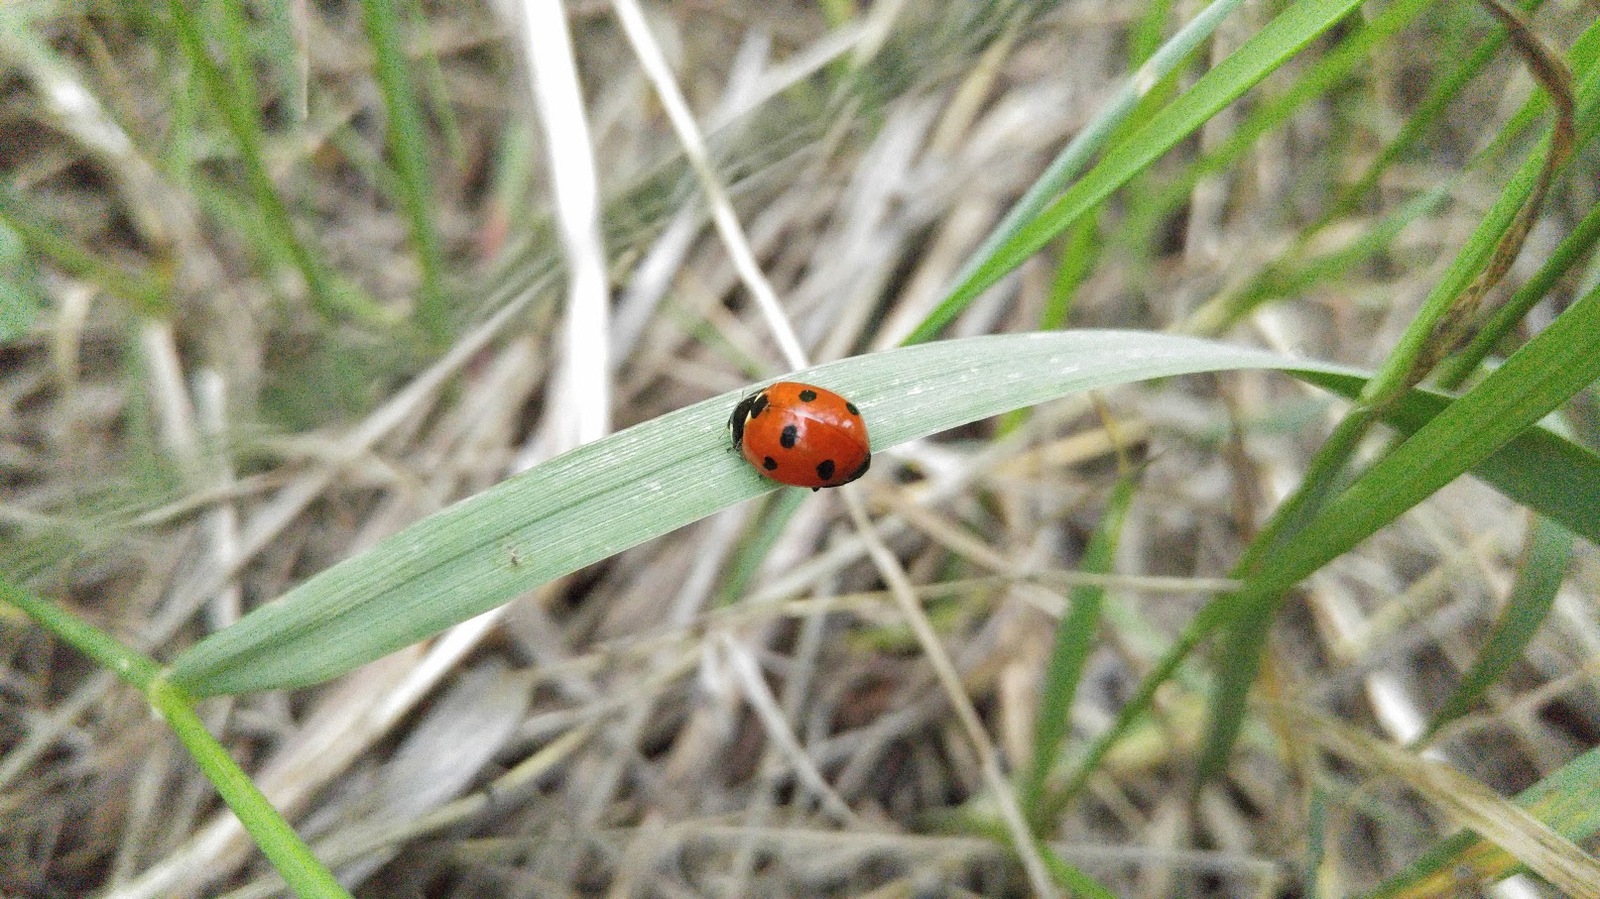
(815, 489)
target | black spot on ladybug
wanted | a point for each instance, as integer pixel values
(769, 463)
(865, 464)
(851, 408)
(789, 436)
(807, 396)
(825, 469)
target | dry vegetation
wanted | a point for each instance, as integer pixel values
(737, 708)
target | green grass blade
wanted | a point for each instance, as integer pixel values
(1574, 249)
(597, 500)
(1541, 376)
(408, 147)
(1076, 635)
(1258, 57)
(146, 294)
(1568, 801)
(593, 502)
(1545, 564)
(329, 294)
(277, 840)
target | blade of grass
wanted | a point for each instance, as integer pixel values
(1258, 57)
(145, 293)
(1543, 567)
(1289, 275)
(1568, 801)
(1075, 639)
(227, 21)
(1538, 378)
(592, 502)
(329, 294)
(408, 148)
(595, 501)
(277, 840)
(1445, 315)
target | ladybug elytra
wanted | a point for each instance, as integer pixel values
(802, 435)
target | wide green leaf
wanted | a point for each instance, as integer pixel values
(602, 498)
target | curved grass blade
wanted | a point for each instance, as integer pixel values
(1284, 36)
(1549, 549)
(1076, 636)
(1538, 378)
(604, 497)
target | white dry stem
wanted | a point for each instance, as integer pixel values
(656, 69)
(661, 263)
(582, 396)
(222, 518)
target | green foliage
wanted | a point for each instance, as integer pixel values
(222, 149)
(20, 299)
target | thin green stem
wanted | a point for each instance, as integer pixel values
(408, 147)
(288, 854)
(278, 841)
(329, 294)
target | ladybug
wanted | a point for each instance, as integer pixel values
(801, 435)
